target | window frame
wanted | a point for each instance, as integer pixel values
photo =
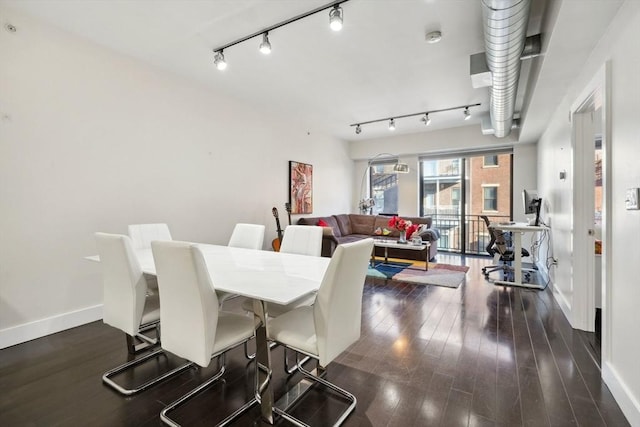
(486, 187)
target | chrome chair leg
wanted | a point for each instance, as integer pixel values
(164, 415)
(140, 341)
(106, 377)
(318, 378)
(294, 368)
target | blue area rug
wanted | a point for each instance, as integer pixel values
(388, 270)
(447, 275)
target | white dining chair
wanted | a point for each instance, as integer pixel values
(193, 326)
(248, 236)
(302, 239)
(127, 307)
(143, 234)
(332, 324)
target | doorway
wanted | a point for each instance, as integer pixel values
(590, 234)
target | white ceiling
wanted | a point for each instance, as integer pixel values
(378, 66)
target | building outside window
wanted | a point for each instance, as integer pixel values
(456, 191)
(384, 188)
(490, 161)
(490, 198)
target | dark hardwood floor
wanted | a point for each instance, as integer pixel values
(478, 355)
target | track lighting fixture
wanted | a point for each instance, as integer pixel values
(265, 46)
(335, 22)
(426, 117)
(335, 18)
(219, 61)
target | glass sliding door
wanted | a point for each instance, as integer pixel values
(455, 191)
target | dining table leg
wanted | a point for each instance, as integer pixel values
(264, 391)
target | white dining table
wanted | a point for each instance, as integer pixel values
(264, 276)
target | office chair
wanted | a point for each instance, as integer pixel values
(499, 249)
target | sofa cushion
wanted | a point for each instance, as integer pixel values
(344, 223)
(419, 220)
(362, 224)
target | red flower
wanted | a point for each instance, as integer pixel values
(399, 223)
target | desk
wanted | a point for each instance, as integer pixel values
(518, 229)
(265, 277)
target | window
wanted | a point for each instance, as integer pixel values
(490, 198)
(457, 188)
(455, 196)
(384, 188)
(491, 160)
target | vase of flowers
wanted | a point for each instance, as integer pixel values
(401, 225)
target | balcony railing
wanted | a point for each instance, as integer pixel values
(476, 236)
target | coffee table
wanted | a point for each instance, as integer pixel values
(392, 243)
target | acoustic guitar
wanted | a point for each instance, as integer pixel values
(287, 207)
(275, 244)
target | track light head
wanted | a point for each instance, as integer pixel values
(358, 129)
(467, 114)
(335, 18)
(392, 124)
(219, 61)
(426, 119)
(265, 46)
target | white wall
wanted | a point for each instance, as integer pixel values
(621, 343)
(93, 141)
(410, 147)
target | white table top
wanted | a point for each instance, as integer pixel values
(393, 243)
(517, 226)
(269, 276)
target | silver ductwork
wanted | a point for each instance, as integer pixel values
(505, 30)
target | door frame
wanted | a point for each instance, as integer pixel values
(596, 95)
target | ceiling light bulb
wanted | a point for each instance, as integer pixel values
(392, 124)
(335, 18)
(265, 46)
(358, 129)
(219, 61)
(426, 119)
(467, 114)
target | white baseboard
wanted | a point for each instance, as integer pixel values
(625, 399)
(51, 325)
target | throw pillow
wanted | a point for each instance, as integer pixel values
(322, 223)
(412, 229)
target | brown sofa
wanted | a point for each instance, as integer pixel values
(351, 227)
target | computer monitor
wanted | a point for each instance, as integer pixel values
(532, 204)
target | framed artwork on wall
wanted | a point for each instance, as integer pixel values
(300, 187)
